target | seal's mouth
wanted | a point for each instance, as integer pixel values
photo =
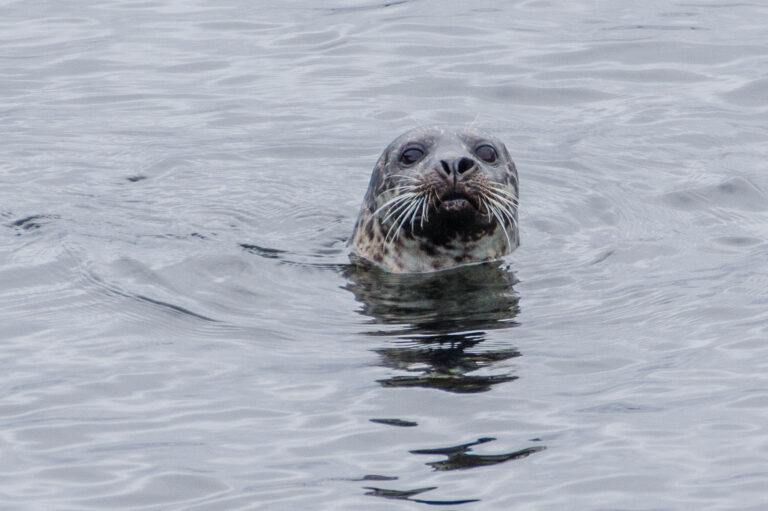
(457, 202)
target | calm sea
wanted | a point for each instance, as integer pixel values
(179, 325)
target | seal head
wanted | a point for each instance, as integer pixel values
(439, 198)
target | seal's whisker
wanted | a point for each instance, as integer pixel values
(401, 220)
(503, 200)
(410, 213)
(401, 214)
(504, 211)
(392, 208)
(506, 208)
(487, 209)
(395, 211)
(501, 223)
(398, 210)
(419, 206)
(501, 218)
(499, 186)
(416, 218)
(407, 188)
(503, 191)
(406, 176)
(413, 210)
(391, 203)
(393, 200)
(508, 203)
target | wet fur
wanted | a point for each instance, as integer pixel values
(432, 238)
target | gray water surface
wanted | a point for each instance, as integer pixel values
(179, 324)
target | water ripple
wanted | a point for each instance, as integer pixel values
(182, 328)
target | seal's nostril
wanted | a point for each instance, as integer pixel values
(446, 167)
(464, 165)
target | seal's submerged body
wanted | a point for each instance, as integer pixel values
(437, 199)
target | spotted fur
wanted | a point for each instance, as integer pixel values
(449, 207)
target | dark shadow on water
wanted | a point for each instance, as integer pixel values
(437, 324)
(409, 494)
(29, 223)
(458, 459)
(314, 258)
(400, 423)
(359, 8)
(431, 332)
(269, 253)
(443, 362)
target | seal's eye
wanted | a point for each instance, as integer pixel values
(411, 156)
(486, 153)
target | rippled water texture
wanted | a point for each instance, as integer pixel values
(180, 328)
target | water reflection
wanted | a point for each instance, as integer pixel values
(29, 223)
(438, 323)
(458, 459)
(433, 328)
(443, 363)
(409, 494)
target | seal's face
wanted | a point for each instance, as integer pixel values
(439, 198)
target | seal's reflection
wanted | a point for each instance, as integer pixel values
(438, 322)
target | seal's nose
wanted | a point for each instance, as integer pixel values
(457, 166)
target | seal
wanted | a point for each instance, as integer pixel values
(439, 198)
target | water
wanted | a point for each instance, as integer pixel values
(180, 329)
